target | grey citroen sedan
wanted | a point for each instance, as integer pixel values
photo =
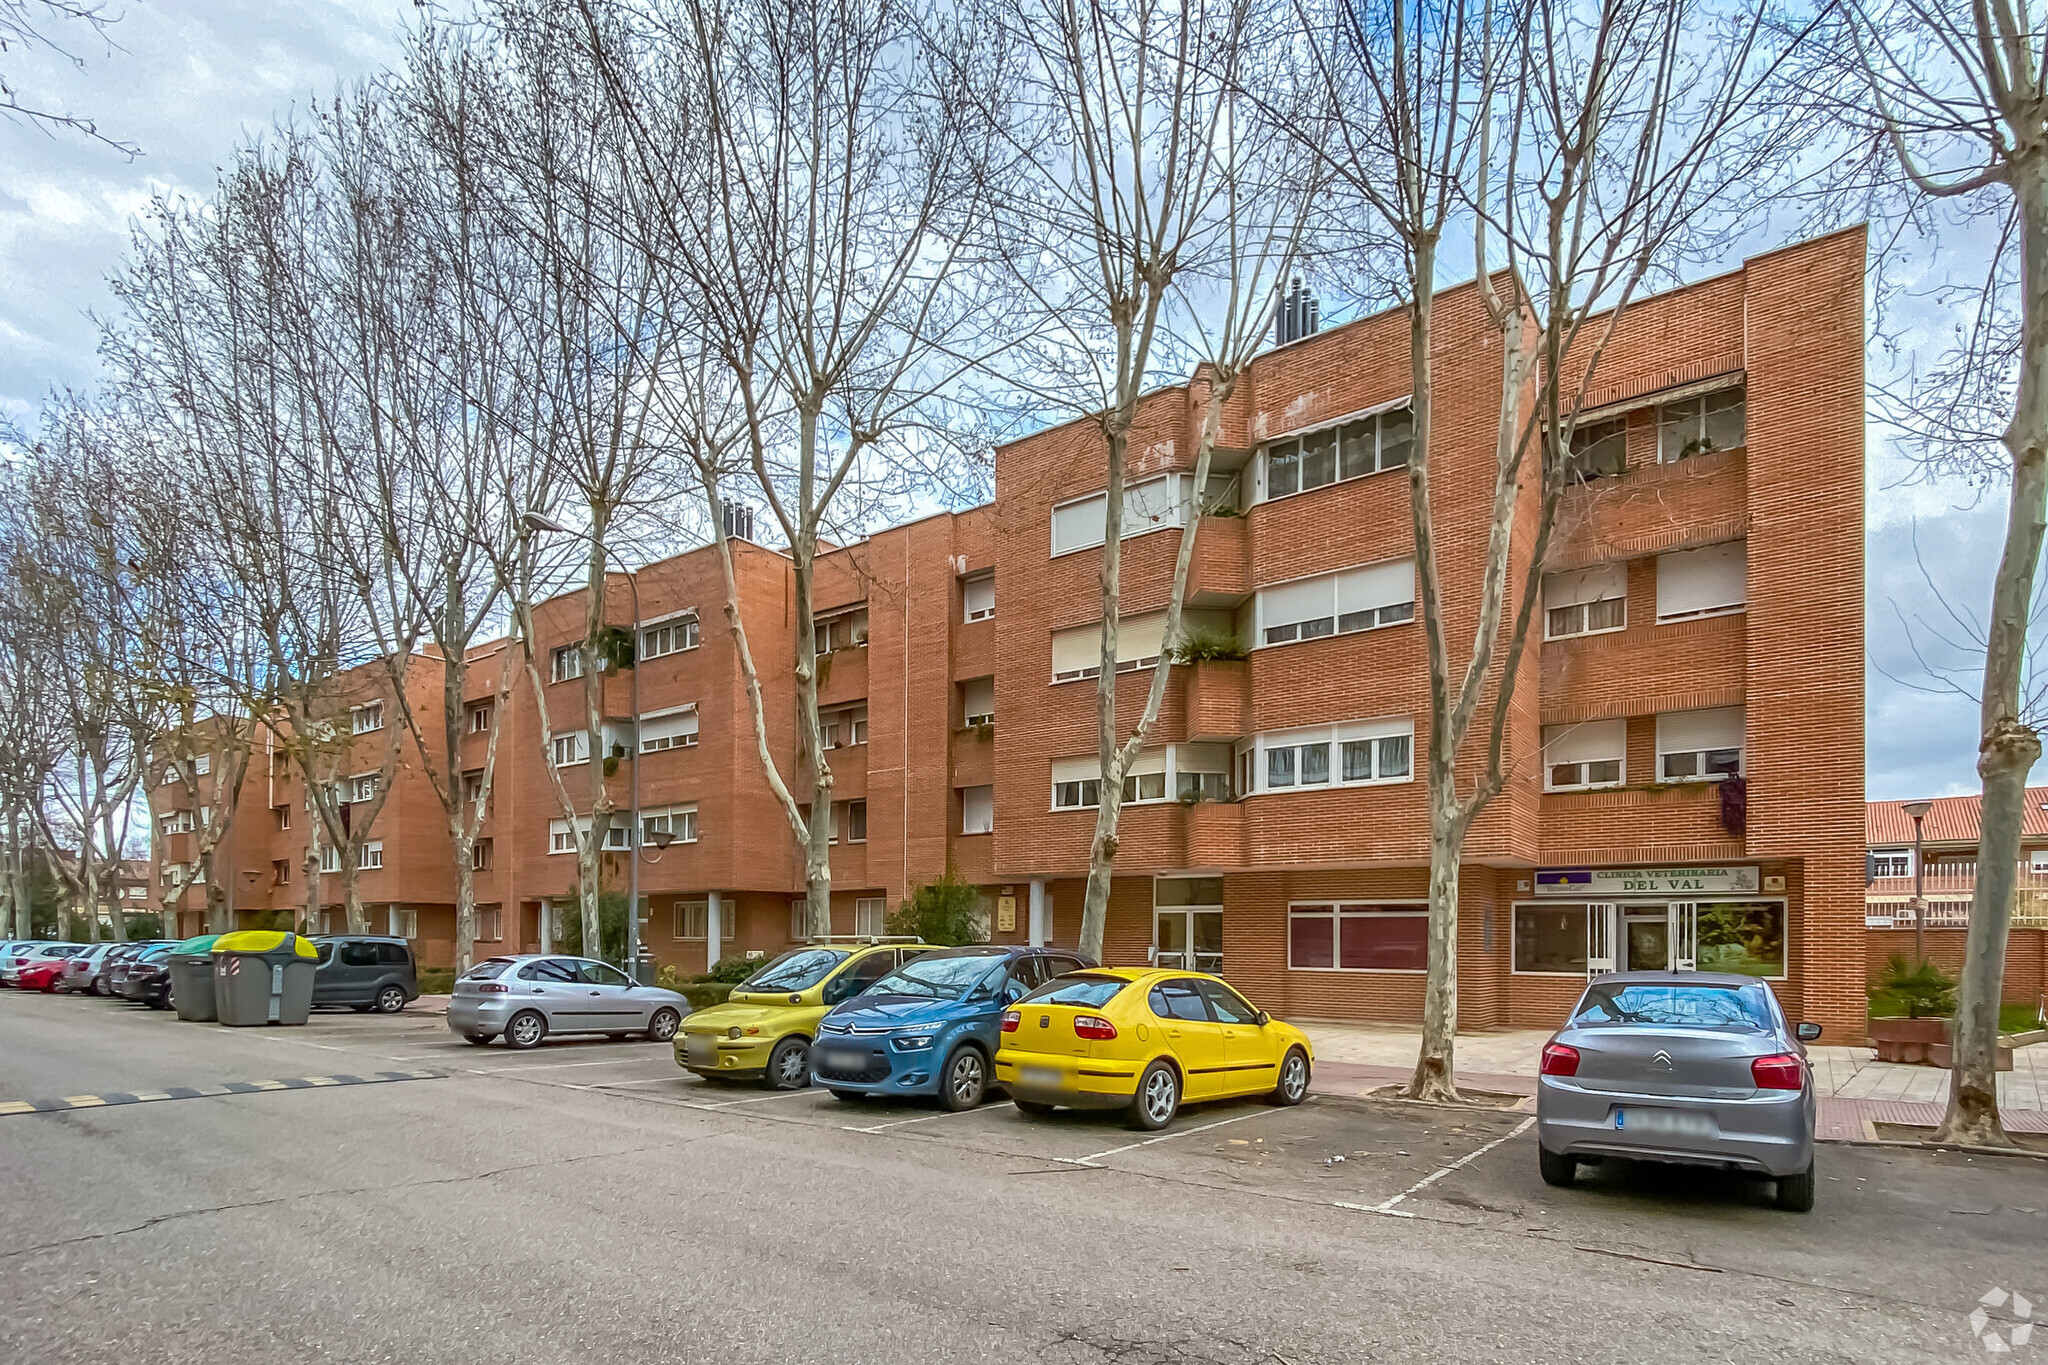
(528, 998)
(1691, 1067)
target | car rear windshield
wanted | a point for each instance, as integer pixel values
(937, 977)
(487, 969)
(1690, 1005)
(1089, 992)
(796, 970)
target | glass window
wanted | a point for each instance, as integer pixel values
(1226, 1004)
(358, 954)
(1600, 448)
(600, 974)
(1315, 763)
(1279, 767)
(1169, 892)
(796, 970)
(1675, 1006)
(1397, 437)
(1550, 938)
(1311, 937)
(1283, 469)
(1318, 459)
(940, 976)
(1355, 450)
(1383, 942)
(1394, 755)
(393, 954)
(1179, 998)
(1086, 992)
(1746, 938)
(1145, 787)
(1358, 760)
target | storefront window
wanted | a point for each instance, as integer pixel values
(1744, 937)
(1550, 938)
(1382, 938)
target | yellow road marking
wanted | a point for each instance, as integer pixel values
(84, 1101)
(16, 1107)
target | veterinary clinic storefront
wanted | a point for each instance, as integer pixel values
(1585, 921)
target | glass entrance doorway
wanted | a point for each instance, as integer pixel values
(1648, 941)
(1187, 923)
(1658, 937)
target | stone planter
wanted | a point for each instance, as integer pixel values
(1943, 1055)
(1911, 1041)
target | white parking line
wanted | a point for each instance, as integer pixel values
(556, 1066)
(925, 1118)
(1387, 1206)
(1093, 1157)
(758, 1099)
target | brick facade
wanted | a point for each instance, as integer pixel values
(1787, 327)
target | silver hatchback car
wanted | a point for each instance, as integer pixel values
(1691, 1067)
(527, 998)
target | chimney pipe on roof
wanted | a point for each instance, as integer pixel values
(1296, 314)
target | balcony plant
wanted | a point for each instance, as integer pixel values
(1208, 646)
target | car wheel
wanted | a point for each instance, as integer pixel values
(1032, 1109)
(1556, 1169)
(526, 1030)
(965, 1079)
(662, 1027)
(848, 1096)
(477, 1039)
(1293, 1086)
(159, 1002)
(98, 988)
(1158, 1098)
(1795, 1192)
(391, 999)
(789, 1065)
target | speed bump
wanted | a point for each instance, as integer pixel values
(200, 1092)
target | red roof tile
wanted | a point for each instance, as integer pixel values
(1953, 820)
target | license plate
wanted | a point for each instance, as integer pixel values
(841, 1060)
(700, 1048)
(1665, 1123)
(1040, 1075)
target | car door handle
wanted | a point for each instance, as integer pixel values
(597, 992)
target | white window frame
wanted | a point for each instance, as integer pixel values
(853, 719)
(490, 923)
(404, 922)
(202, 764)
(330, 858)
(1880, 858)
(1740, 750)
(677, 626)
(1134, 664)
(562, 836)
(1339, 911)
(565, 663)
(480, 854)
(370, 856)
(828, 626)
(480, 718)
(971, 717)
(1584, 765)
(679, 820)
(1735, 608)
(655, 744)
(1384, 616)
(1176, 484)
(862, 802)
(691, 915)
(969, 588)
(871, 915)
(618, 835)
(799, 913)
(578, 750)
(1163, 763)
(1581, 612)
(367, 718)
(1254, 777)
(362, 787)
(968, 824)
(1697, 419)
(1376, 414)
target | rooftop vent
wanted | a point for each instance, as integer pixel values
(1296, 315)
(739, 520)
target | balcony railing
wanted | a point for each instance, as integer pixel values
(1948, 889)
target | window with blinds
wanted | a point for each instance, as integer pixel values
(978, 701)
(1077, 651)
(1364, 598)
(978, 597)
(1704, 582)
(1585, 601)
(1149, 505)
(1700, 746)
(668, 730)
(1587, 755)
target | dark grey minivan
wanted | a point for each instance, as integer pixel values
(365, 972)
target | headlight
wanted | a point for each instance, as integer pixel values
(917, 1038)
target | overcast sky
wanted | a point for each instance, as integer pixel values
(191, 77)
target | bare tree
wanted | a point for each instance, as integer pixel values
(1582, 148)
(1954, 93)
(32, 25)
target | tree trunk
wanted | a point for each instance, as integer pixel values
(2009, 746)
(1109, 793)
(590, 850)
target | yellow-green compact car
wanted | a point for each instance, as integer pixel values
(764, 1029)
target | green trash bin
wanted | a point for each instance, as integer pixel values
(263, 977)
(192, 979)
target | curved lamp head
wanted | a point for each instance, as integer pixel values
(1916, 810)
(661, 838)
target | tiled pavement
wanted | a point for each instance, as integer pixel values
(1856, 1091)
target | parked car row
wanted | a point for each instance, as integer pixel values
(363, 972)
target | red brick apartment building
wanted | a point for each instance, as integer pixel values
(1704, 621)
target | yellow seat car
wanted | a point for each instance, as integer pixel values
(1145, 1039)
(764, 1028)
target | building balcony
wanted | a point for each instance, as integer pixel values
(843, 675)
(1215, 834)
(1219, 695)
(1220, 570)
(1948, 889)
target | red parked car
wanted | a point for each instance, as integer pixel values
(41, 974)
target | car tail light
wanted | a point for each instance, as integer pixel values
(1559, 1060)
(1782, 1072)
(493, 988)
(1010, 1021)
(1093, 1026)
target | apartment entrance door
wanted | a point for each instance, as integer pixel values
(1654, 937)
(1190, 939)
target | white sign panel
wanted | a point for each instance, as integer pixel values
(1601, 883)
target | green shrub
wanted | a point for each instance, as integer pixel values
(946, 911)
(733, 970)
(435, 980)
(702, 992)
(1218, 645)
(611, 927)
(1919, 988)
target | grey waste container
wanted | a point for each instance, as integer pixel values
(261, 977)
(191, 964)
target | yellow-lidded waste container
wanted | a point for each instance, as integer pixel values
(262, 976)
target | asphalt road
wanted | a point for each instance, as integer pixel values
(587, 1202)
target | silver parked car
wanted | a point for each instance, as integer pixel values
(527, 998)
(1691, 1067)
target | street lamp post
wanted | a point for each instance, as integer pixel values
(534, 521)
(1917, 810)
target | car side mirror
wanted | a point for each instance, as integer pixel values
(1013, 992)
(1264, 1018)
(1808, 1032)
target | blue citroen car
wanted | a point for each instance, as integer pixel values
(931, 1027)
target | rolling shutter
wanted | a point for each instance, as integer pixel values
(1594, 741)
(1681, 732)
(1597, 584)
(1078, 524)
(1376, 585)
(1695, 582)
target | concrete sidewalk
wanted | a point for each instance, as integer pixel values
(1855, 1090)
